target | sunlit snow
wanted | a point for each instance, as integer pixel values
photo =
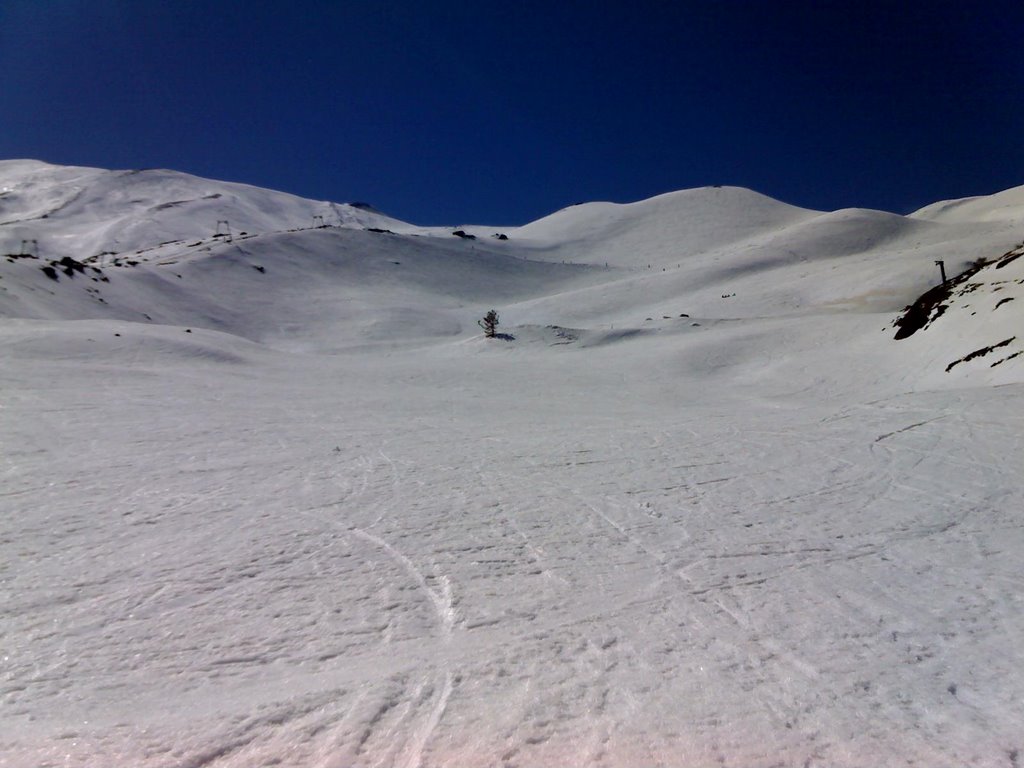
(269, 497)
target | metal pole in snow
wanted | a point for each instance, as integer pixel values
(942, 269)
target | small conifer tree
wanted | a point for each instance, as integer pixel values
(489, 324)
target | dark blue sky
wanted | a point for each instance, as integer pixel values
(446, 112)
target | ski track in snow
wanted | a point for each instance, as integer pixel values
(703, 599)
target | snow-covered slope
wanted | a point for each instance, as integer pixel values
(661, 230)
(86, 243)
(1006, 206)
(88, 213)
(271, 498)
(967, 323)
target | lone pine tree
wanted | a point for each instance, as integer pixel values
(489, 324)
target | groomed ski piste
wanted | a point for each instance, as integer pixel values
(269, 497)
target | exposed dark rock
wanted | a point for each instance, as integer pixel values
(1008, 357)
(929, 307)
(931, 304)
(979, 353)
(70, 266)
(1006, 258)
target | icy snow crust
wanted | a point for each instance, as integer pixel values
(273, 500)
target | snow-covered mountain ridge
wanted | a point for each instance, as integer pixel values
(165, 247)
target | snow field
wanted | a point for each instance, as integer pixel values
(309, 517)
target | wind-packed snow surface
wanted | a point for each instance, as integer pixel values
(272, 499)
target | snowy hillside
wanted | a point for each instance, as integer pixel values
(88, 214)
(739, 485)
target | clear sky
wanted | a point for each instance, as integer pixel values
(447, 112)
